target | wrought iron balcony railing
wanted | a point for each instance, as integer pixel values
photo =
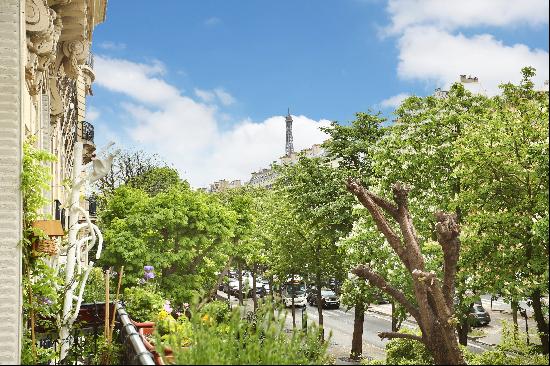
(92, 206)
(87, 131)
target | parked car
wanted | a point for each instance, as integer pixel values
(232, 287)
(260, 291)
(266, 287)
(478, 315)
(329, 298)
(294, 289)
(381, 299)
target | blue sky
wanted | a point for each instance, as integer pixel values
(205, 83)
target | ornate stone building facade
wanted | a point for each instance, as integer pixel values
(46, 71)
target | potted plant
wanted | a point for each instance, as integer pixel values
(46, 244)
(143, 302)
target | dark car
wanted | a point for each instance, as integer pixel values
(329, 298)
(478, 315)
(260, 291)
(311, 291)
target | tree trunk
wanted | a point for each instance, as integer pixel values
(293, 312)
(523, 313)
(542, 324)
(394, 325)
(219, 280)
(515, 306)
(320, 306)
(228, 293)
(463, 328)
(443, 346)
(357, 341)
(254, 299)
(271, 286)
(433, 310)
(240, 275)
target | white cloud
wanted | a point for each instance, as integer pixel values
(219, 94)
(212, 21)
(431, 54)
(394, 101)
(205, 95)
(92, 114)
(187, 133)
(112, 46)
(224, 97)
(432, 49)
(130, 78)
(465, 13)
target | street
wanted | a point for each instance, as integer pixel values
(339, 324)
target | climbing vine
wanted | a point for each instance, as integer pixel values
(41, 298)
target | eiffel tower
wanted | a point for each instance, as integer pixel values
(289, 149)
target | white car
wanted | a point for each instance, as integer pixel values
(299, 300)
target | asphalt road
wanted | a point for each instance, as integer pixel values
(339, 323)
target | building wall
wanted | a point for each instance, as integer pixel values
(11, 82)
(41, 44)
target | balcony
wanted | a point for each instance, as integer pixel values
(84, 341)
(88, 71)
(87, 135)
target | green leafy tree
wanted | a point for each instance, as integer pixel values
(352, 148)
(358, 293)
(184, 234)
(319, 203)
(156, 180)
(240, 201)
(503, 168)
(420, 150)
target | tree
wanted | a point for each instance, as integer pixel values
(156, 180)
(129, 165)
(320, 205)
(259, 241)
(365, 245)
(184, 234)
(503, 167)
(353, 147)
(433, 310)
(240, 202)
(420, 150)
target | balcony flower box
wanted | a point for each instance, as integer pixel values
(159, 360)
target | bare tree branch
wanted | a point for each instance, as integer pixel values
(378, 281)
(383, 203)
(219, 280)
(410, 239)
(382, 224)
(390, 335)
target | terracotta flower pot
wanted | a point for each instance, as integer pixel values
(143, 324)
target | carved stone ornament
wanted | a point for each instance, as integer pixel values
(43, 31)
(75, 53)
